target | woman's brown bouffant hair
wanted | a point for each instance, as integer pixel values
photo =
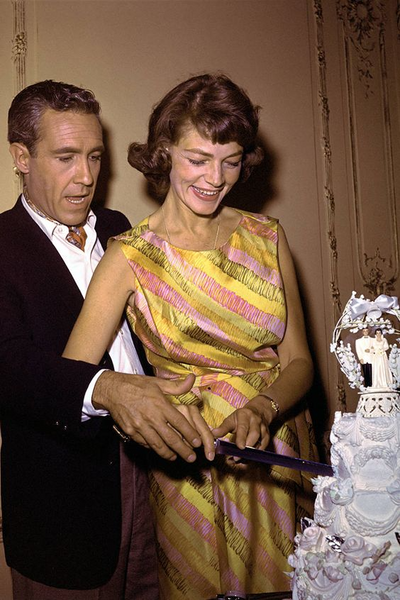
(216, 107)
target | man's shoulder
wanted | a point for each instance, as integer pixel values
(10, 212)
(13, 222)
(111, 217)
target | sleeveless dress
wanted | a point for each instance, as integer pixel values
(219, 314)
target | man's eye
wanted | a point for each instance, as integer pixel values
(65, 158)
(96, 157)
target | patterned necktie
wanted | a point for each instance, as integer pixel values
(77, 236)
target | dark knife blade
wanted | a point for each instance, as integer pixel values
(271, 458)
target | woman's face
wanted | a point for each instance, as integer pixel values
(202, 173)
(378, 335)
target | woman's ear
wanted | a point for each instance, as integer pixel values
(21, 157)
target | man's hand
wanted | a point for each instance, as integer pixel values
(138, 405)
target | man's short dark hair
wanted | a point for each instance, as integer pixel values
(28, 107)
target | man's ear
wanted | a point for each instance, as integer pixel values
(21, 156)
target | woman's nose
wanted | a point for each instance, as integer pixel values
(215, 175)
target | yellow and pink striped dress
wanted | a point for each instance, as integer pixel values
(219, 314)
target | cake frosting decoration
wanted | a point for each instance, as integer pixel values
(351, 549)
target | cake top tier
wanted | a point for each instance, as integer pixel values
(366, 343)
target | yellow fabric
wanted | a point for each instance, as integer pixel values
(219, 314)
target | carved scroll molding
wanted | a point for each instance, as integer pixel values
(19, 45)
(18, 66)
(329, 198)
(370, 125)
(18, 56)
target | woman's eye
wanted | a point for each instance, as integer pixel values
(196, 162)
(233, 165)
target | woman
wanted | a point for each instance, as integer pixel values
(381, 374)
(211, 290)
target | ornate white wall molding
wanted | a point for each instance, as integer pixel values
(19, 45)
(18, 54)
(370, 119)
(329, 197)
(361, 19)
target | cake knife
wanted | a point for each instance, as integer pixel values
(272, 458)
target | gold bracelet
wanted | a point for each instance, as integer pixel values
(274, 404)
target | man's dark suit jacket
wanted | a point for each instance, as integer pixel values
(60, 477)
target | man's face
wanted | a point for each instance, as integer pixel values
(61, 178)
(365, 332)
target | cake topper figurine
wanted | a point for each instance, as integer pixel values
(368, 366)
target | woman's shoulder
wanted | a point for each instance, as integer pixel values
(134, 233)
(254, 219)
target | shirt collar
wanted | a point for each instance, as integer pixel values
(48, 226)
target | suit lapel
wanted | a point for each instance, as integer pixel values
(42, 261)
(44, 258)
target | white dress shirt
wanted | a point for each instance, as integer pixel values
(81, 265)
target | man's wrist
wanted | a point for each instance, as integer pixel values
(88, 409)
(100, 391)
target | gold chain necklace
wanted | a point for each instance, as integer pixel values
(169, 237)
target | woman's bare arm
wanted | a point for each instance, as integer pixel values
(136, 402)
(109, 290)
(251, 423)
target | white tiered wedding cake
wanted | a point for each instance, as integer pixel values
(351, 549)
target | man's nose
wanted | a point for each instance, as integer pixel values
(83, 173)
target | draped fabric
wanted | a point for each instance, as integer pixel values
(219, 314)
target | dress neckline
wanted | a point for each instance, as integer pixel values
(164, 241)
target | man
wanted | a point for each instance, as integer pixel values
(363, 351)
(65, 496)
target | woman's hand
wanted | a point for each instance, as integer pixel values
(250, 424)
